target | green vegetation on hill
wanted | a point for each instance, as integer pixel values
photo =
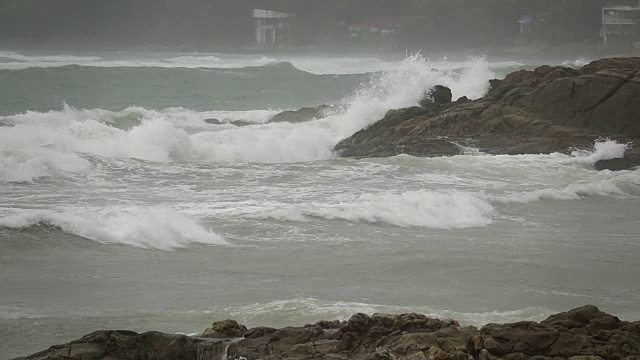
(205, 23)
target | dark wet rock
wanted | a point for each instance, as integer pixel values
(225, 329)
(439, 94)
(303, 115)
(213, 121)
(549, 109)
(631, 160)
(361, 337)
(584, 333)
(462, 100)
(115, 345)
(384, 138)
(242, 123)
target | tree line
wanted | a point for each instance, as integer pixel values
(202, 23)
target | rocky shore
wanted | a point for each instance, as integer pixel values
(585, 333)
(549, 109)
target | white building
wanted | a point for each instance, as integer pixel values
(271, 26)
(621, 21)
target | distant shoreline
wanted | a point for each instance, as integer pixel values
(578, 50)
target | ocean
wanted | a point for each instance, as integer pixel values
(122, 208)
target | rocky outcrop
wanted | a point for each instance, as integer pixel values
(439, 95)
(584, 333)
(303, 115)
(549, 109)
(292, 116)
(225, 329)
(128, 345)
(213, 121)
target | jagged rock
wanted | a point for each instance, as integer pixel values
(631, 160)
(584, 333)
(439, 94)
(303, 115)
(213, 121)
(225, 329)
(549, 109)
(462, 100)
(115, 345)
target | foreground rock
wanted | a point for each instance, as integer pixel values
(116, 345)
(549, 109)
(584, 333)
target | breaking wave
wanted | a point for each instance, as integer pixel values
(577, 63)
(309, 310)
(316, 65)
(606, 184)
(605, 149)
(430, 209)
(11, 56)
(164, 135)
(218, 62)
(156, 228)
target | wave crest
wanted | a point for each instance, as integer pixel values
(156, 228)
(310, 310)
(430, 209)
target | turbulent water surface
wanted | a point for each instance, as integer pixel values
(120, 207)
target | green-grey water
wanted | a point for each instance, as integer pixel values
(125, 209)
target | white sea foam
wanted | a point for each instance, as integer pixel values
(605, 149)
(49, 144)
(212, 61)
(249, 116)
(430, 209)
(577, 63)
(605, 184)
(599, 184)
(157, 228)
(53, 59)
(23, 165)
(17, 61)
(315, 140)
(162, 136)
(286, 312)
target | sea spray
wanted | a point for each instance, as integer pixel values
(274, 143)
(182, 135)
(603, 149)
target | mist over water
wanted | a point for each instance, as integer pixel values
(121, 207)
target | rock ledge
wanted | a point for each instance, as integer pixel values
(549, 109)
(585, 333)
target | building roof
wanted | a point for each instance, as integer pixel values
(526, 19)
(268, 14)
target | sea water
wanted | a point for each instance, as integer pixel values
(122, 208)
